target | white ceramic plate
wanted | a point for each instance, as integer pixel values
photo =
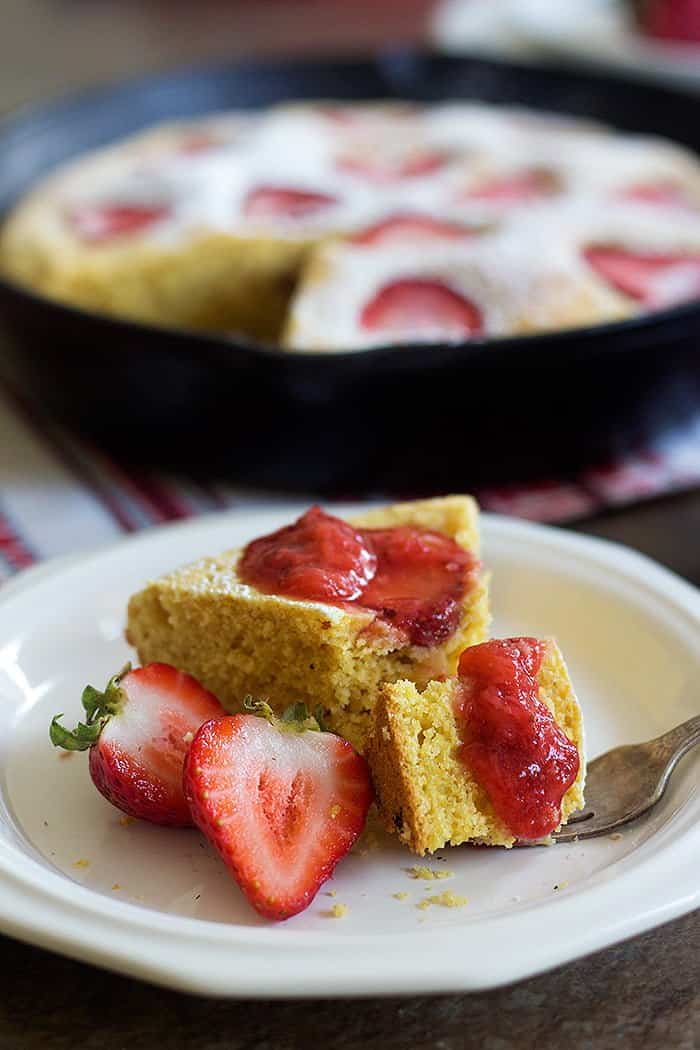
(481, 26)
(159, 905)
(600, 33)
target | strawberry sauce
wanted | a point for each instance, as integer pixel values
(512, 745)
(413, 579)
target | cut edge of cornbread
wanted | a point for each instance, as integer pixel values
(425, 794)
(210, 280)
(237, 641)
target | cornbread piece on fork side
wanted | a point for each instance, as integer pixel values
(425, 792)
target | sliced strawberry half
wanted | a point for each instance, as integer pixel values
(392, 169)
(655, 279)
(281, 801)
(517, 188)
(421, 308)
(103, 222)
(410, 229)
(138, 731)
(282, 202)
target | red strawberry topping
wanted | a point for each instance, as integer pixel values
(512, 745)
(518, 188)
(420, 582)
(280, 801)
(104, 222)
(392, 169)
(280, 202)
(410, 229)
(663, 194)
(655, 279)
(138, 731)
(318, 558)
(419, 308)
(413, 579)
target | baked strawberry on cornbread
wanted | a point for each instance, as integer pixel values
(325, 610)
(446, 283)
(492, 756)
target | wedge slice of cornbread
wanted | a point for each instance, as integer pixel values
(237, 640)
(425, 793)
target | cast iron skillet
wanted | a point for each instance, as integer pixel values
(394, 419)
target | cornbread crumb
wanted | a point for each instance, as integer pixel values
(63, 755)
(371, 837)
(428, 873)
(368, 843)
(400, 896)
(446, 899)
(125, 821)
(116, 886)
(616, 836)
(331, 893)
(81, 863)
(338, 911)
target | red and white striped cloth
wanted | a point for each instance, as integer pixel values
(59, 495)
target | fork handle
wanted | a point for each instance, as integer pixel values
(677, 742)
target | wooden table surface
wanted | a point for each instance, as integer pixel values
(645, 993)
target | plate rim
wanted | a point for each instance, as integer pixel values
(48, 909)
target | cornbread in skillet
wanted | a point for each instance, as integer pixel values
(210, 223)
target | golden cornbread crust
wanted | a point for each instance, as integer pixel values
(236, 640)
(210, 280)
(425, 793)
(214, 281)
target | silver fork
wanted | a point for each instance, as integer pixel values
(626, 782)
